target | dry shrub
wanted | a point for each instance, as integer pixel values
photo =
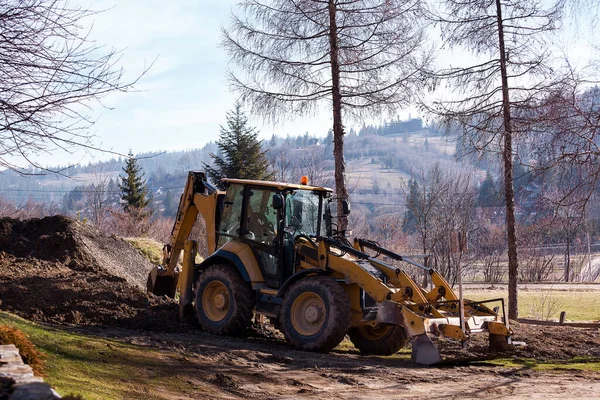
(492, 267)
(160, 229)
(127, 224)
(535, 267)
(138, 224)
(31, 209)
(545, 305)
(31, 356)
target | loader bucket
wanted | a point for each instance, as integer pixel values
(425, 352)
(422, 328)
(161, 284)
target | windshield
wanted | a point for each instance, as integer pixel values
(303, 212)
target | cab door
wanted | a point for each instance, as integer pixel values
(260, 231)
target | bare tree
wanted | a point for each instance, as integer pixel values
(510, 71)
(363, 57)
(422, 196)
(98, 197)
(282, 163)
(312, 162)
(443, 202)
(49, 74)
(566, 141)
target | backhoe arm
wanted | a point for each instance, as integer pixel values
(199, 197)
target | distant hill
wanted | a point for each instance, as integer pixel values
(380, 160)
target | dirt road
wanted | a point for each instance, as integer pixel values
(214, 367)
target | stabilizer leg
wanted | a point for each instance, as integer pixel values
(500, 343)
(424, 351)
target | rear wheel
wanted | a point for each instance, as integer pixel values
(315, 314)
(223, 301)
(383, 340)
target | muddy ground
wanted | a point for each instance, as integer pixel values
(261, 366)
(58, 271)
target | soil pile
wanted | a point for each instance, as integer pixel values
(57, 270)
(542, 343)
(556, 342)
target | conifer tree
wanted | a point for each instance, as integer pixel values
(410, 222)
(134, 193)
(488, 195)
(241, 154)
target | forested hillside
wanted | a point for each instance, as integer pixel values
(380, 161)
(411, 186)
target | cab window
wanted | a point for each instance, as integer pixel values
(261, 217)
(302, 212)
(231, 216)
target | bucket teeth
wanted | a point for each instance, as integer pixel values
(424, 351)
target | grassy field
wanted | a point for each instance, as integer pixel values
(580, 305)
(99, 368)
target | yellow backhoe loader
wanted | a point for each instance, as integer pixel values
(274, 251)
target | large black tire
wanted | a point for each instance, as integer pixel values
(382, 340)
(223, 301)
(315, 314)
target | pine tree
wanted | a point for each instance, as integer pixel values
(488, 195)
(410, 222)
(242, 155)
(134, 193)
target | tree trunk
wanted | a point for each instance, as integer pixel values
(338, 128)
(509, 191)
(568, 261)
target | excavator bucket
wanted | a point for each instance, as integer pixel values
(161, 284)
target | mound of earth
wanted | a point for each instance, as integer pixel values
(556, 342)
(57, 270)
(542, 343)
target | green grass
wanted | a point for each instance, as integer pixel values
(99, 368)
(579, 305)
(151, 249)
(576, 364)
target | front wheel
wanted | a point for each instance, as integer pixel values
(315, 314)
(383, 340)
(223, 301)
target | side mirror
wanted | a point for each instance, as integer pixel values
(345, 207)
(277, 201)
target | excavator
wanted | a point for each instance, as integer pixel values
(274, 250)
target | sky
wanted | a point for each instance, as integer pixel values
(183, 98)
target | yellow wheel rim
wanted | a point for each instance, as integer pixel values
(374, 332)
(215, 301)
(308, 313)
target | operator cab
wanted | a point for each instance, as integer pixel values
(268, 216)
